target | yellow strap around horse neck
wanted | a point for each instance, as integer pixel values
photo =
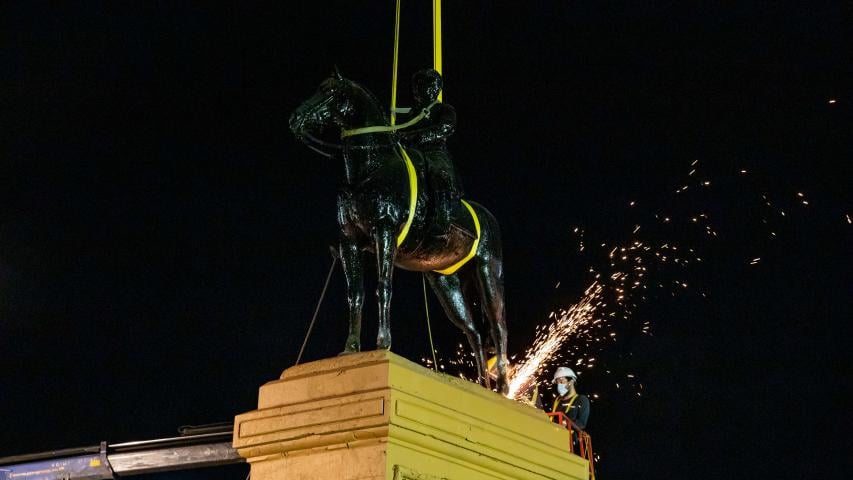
(387, 128)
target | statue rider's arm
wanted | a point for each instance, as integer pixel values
(442, 124)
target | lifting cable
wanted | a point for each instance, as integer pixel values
(436, 57)
(394, 65)
(436, 52)
(429, 328)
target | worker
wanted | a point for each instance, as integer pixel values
(574, 406)
(430, 136)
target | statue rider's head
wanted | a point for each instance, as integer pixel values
(426, 85)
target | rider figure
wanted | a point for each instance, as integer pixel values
(430, 136)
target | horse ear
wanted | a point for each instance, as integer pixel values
(337, 74)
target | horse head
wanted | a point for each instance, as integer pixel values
(338, 102)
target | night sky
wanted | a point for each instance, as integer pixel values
(164, 238)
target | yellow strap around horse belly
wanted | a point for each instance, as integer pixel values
(413, 202)
(413, 196)
(456, 266)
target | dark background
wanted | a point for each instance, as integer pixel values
(163, 238)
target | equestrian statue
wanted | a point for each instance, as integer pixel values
(402, 200)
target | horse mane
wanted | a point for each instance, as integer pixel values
(372, 97)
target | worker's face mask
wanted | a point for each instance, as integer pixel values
(562, 388)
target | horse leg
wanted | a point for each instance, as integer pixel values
(351, 259)
(448, 289)
(386, 249)
(490, 283)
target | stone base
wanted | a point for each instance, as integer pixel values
(375, 415)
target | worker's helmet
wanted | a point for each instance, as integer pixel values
(564, 372)
(426, 84)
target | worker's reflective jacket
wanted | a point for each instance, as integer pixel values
(576, 407)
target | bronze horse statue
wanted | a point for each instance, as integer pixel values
(374, 208)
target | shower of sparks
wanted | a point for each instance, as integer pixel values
(619, 286)
(615, 291)
(622, 275)
(548, 341)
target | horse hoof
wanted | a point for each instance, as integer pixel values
(503, 387)
(353, 345)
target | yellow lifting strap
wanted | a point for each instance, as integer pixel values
(413, 196)
(436, 40)
(456, 266)
(385, 128)
(413, 200)
(410, 168)
(436, 53)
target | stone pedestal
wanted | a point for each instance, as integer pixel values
(375, 415)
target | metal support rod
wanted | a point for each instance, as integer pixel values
(319, 302)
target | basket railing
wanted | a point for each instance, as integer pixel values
(584, 441)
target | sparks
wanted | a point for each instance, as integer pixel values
(549, 341)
